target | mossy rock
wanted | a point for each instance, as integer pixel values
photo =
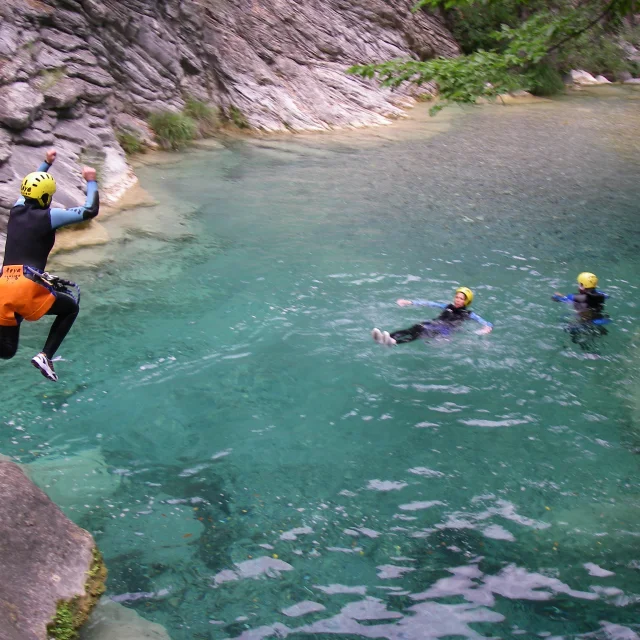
(72, 614)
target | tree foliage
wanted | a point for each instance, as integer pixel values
(524, 52)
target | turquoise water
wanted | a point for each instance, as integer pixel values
(241, 448)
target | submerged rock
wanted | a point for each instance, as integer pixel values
(52, 573)
(71, 480)
(112, 621)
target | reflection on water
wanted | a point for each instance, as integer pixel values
(253, 465)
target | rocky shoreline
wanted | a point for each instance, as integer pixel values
(78, 73)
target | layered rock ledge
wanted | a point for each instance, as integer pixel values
(73, 71)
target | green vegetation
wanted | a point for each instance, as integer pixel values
(205, 116)
(72, 614)
(176, 130)
(514, 44)
(62, 627)
(130, 143)
(596, 52)
(238, 118)
(173, 130)
(545, 80)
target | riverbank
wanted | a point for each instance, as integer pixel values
(415, 122)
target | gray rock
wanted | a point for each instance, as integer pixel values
(64, 93)
(49, 59)
(71, 22)
(46, 122)
(112, 621)
(16, 68)
(136, 127)
(35, 138)
(8, 40)
(98, 76)
(62, 41)
(46, 555)
(74, 112)
(99, 111)
(9, 187)
(94, 93)
(7, 174)
(77, 132)
(18, 105)
(96, 11)
(6, 147)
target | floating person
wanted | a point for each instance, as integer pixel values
(588, 304)
(27, 292)
(452, 316)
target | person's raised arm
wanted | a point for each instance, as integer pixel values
(49, 159)
(420, 303)
(90, 209)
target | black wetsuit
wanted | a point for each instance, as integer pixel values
(590, 317)
(449, 320)
(31, 233)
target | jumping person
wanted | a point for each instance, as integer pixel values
(27, 292)
(588, 304)
(452, 316)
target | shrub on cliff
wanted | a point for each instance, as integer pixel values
(173, 130)
(130, 143)
(205, 116)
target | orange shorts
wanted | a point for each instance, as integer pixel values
(21, 298)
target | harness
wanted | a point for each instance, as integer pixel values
(56, 283)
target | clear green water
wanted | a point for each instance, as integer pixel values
(221, 401)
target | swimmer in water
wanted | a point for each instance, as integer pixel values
(588, 304)
(451, 318)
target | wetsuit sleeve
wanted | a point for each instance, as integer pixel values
(45, 166)
(568, 298)
(428, 303)
(90, 209)
(477, 318)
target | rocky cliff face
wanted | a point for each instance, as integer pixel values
(71, 70)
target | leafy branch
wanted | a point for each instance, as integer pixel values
(510, 66)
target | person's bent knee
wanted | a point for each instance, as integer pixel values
(7, 351)
(9, 338)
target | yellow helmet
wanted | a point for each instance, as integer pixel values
(39, 186)
(467, 293)
(588, 280)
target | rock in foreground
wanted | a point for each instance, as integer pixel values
(46, 561)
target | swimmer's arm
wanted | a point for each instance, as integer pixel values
(427, 303)
(90, 209)
(487, 327)
(558, 297)
(45, 166)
